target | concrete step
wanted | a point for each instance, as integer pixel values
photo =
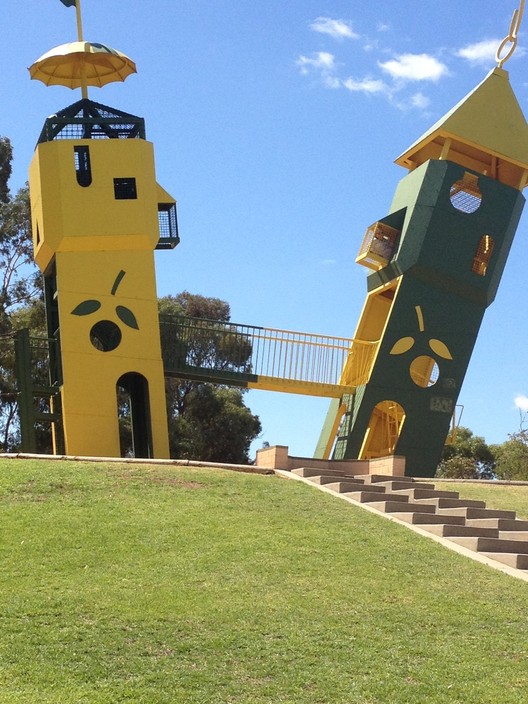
(514, 534)
(324, 480)
(442, 502)
(519, 561)
(500, 523)
(431, 518)
(469, 512)
(314, 472)
(367, 497)
(448, 530)
(493, 545)
(398, 484)
(344, 486)
(400, 506)
(375, 478)
(427, 494)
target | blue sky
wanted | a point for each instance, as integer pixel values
(275, 126)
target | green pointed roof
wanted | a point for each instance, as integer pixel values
(486, 131)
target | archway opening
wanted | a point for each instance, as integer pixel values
(135, 428)
(384, 428)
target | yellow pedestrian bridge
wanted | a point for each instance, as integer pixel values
(264, 358)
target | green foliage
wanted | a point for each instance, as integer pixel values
(469, 457)
(193, 305)
(458, 467)
(512, 457)
(216, 426)
(171, 585)
(30, 315)
(206, 422)
(19, 282)
(19, 278)
(6, 157)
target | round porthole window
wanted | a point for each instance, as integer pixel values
(465, 194)
(105, 336)
(424, 371)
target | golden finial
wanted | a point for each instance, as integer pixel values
(512, 36)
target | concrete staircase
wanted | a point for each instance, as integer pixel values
(498, 535)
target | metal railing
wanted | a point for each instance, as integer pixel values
(250, 352)
(37, 362)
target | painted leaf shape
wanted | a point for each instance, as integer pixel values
(127, 317)
(86, 307)
(403, 345)
(440, 348)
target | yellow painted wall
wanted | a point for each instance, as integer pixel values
(70, 217)
(93, 238)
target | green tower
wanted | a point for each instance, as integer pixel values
(436, 261)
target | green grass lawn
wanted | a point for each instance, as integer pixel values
(121, 583)
(513, 498)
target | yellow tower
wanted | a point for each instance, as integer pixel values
(98, 214)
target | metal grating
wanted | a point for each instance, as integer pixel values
(482, 255)
(465, 195)
(86, 119)
(168, 226)
(378, 246)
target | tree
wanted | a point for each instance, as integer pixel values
(469, 457)
(6, 157)
(207, 422)
(512, 455)
(20, 279)
(30, 315)
(19, 283)
(216, 426)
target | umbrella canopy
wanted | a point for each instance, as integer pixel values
(81, 64)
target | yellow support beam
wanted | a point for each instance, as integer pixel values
(305, 388)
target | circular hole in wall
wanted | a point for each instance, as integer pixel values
(424, 371)
(465, 194)
(105, 336)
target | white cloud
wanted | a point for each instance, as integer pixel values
(521, 402)
(420, 101)
(403, 69)
(337, 29)
(414, 67)
(365, 85)
(320, 61)
(331, 81)
(481, 52)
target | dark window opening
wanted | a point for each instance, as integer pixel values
(83, 169)
(125, 188)
(105, 336)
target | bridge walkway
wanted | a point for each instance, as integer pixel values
(264, 358)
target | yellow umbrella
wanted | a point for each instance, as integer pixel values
(81, 64)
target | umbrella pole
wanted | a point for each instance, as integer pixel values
(84, 87)
(79, 21)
